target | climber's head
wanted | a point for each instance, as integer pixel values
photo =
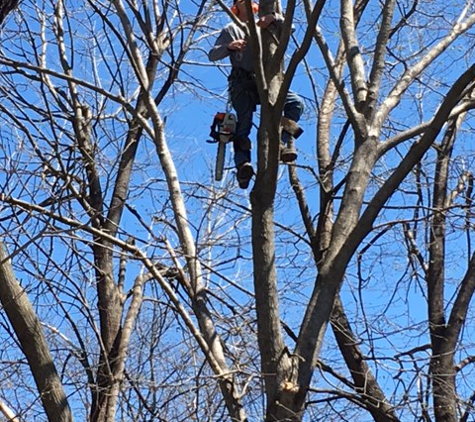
(239, 8)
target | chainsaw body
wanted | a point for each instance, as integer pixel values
(223, 127)
(222, 132)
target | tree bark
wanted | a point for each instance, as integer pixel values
(33, 343)
(444, 334)
(365, 382)
(6, 7)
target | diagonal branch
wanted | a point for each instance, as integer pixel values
(396, 140)
(301, 52)
(415, 153)
(413, 72)
(365, 382)
(28, 329)
(8, 413)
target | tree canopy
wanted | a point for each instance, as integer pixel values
(134, 287)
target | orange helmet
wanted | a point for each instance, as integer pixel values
(235, 10)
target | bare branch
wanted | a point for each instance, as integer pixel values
(353, 54)
(379, 58)
(414, 71)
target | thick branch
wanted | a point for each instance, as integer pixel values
(414, 155)
(353, 53)
(413, 72)
(366, 384)
(379, 56)
(28, 329)
(443, 338)
(6, 7)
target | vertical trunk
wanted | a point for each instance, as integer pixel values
(108, 294)
(275, 361)
(110, 312)
(442, 365)
(443, 384)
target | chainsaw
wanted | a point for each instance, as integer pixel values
(222, 130)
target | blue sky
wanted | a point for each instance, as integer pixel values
(387, 295)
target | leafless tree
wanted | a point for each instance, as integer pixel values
(136, 289)
(98, 91)
(347, 218)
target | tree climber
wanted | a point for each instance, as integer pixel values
(243, 90)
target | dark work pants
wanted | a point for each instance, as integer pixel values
(245, 98)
